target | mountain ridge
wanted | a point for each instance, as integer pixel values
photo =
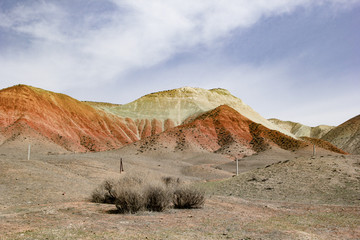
(92, 126)
(346, 136)
(72, 124)
(222, 130)
(177, 105)
(301, 130)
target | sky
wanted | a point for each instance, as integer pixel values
(296, 60)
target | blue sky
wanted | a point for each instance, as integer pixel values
(293, 60)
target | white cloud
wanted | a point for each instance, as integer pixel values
(55, 52)
(40, 20)
(61, 54)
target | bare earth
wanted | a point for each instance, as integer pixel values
(278, 195)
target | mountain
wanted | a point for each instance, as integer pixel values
(346, 136)
(29, 112)
(174, 107)
(44, 118)
(300, 130)
(222, 130)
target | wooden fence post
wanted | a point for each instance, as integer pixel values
(121, 165)
(29, 149)
(237, 167)
(313, 150)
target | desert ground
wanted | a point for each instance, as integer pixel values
(278, 195)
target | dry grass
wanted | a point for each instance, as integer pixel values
(108, 191)
(319, 180)
(157, 198)
(133, 194)
(171, 181)
(65, 181)
(104, 193)
(129, 200)
(188, 198)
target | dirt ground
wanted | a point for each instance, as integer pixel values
(46, 197)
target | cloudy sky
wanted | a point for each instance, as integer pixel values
(296, 60)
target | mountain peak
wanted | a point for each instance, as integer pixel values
(222, 130)
(63, 120)
(19, 87)
(22, 89)
(185, 92)
(221, 91)
(180, 104)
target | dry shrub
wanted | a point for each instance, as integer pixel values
(131, 194)
(157, 198)
(171, 181)
(105, 193)
(108, 190)
(129, 200)
(129, 197)
(130, 181)
(188, 198)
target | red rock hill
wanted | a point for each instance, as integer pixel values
(74, 125)
(222, 130)
(36, 114)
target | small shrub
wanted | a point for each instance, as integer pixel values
(130, 181)
(171, 181)
(157, 199)
(188, 198)
(105, 193)
(129, 200)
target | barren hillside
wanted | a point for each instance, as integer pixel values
(175, 106)
(323, 179)
(346, 136)
(300, 130)
(222, 130)
(76, 126)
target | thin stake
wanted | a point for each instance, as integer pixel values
(237, 167)
(314, 150)
(121, 166)
(29, 150)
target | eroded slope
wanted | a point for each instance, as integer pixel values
(74, 125)
(346, 136)
(222, 130)
(177, 105)
(300, 130)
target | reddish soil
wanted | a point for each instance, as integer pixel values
(74, 125)
(147, 128)
(77, 126)
(224, 130)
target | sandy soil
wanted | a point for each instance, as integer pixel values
(47, 197)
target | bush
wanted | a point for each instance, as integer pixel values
(131, 194)
(108, 190)
(157, 198)
(188, 198)
(129, 200)
(105, 193)
(171, 181)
